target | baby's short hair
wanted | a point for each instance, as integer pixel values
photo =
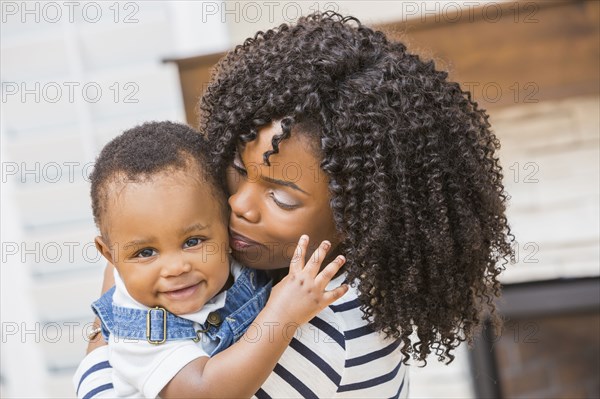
(145, 150)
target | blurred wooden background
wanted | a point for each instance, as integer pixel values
(505, 53)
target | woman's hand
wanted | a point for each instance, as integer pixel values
(107, 283)
(301, 295)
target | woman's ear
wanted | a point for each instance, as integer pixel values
(104, 249)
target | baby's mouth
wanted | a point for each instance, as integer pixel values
(182, 293)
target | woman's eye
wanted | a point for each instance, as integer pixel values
(191, 242)
(146, 253)
(283, 205)
(240, 169)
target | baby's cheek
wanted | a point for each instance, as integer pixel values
(219, 271)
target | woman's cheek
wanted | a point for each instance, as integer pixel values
(289, 250)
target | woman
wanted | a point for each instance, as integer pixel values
(328, 129)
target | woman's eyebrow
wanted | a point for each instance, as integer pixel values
(282, 183)
(268, 179)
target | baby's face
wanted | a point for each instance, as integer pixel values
(168, 241)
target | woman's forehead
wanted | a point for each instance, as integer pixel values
(295, 162)
(299, 145)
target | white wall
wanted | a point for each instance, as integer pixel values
(550, 154)
(50, 137)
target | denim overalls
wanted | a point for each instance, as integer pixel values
(245, 299)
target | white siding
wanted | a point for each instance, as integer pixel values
(49, 142)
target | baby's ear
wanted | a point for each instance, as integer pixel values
(103, 248)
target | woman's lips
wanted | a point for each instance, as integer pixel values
(240, 243)
(182, 293)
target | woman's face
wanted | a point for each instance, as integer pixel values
(272, 206)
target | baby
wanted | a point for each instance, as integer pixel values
(180, 301)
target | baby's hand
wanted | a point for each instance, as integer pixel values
(301, 295)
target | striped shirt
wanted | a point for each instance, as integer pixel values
(336, 355)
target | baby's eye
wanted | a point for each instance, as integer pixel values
(146, 253)
(192, 242)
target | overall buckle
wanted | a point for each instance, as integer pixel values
(149, 326)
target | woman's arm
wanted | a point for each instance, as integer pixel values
(107, 283)
(93, 376)
(240, 370)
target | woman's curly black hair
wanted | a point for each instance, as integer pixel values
(416, 188)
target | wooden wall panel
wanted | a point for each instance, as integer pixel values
(515, 52)
(550, 49)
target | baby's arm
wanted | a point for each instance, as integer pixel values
(240, 370)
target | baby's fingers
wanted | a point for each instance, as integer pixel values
(330, 297)
(297, 263)
(314, 263)
(327, 274)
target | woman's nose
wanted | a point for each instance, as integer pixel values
(243, 205)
